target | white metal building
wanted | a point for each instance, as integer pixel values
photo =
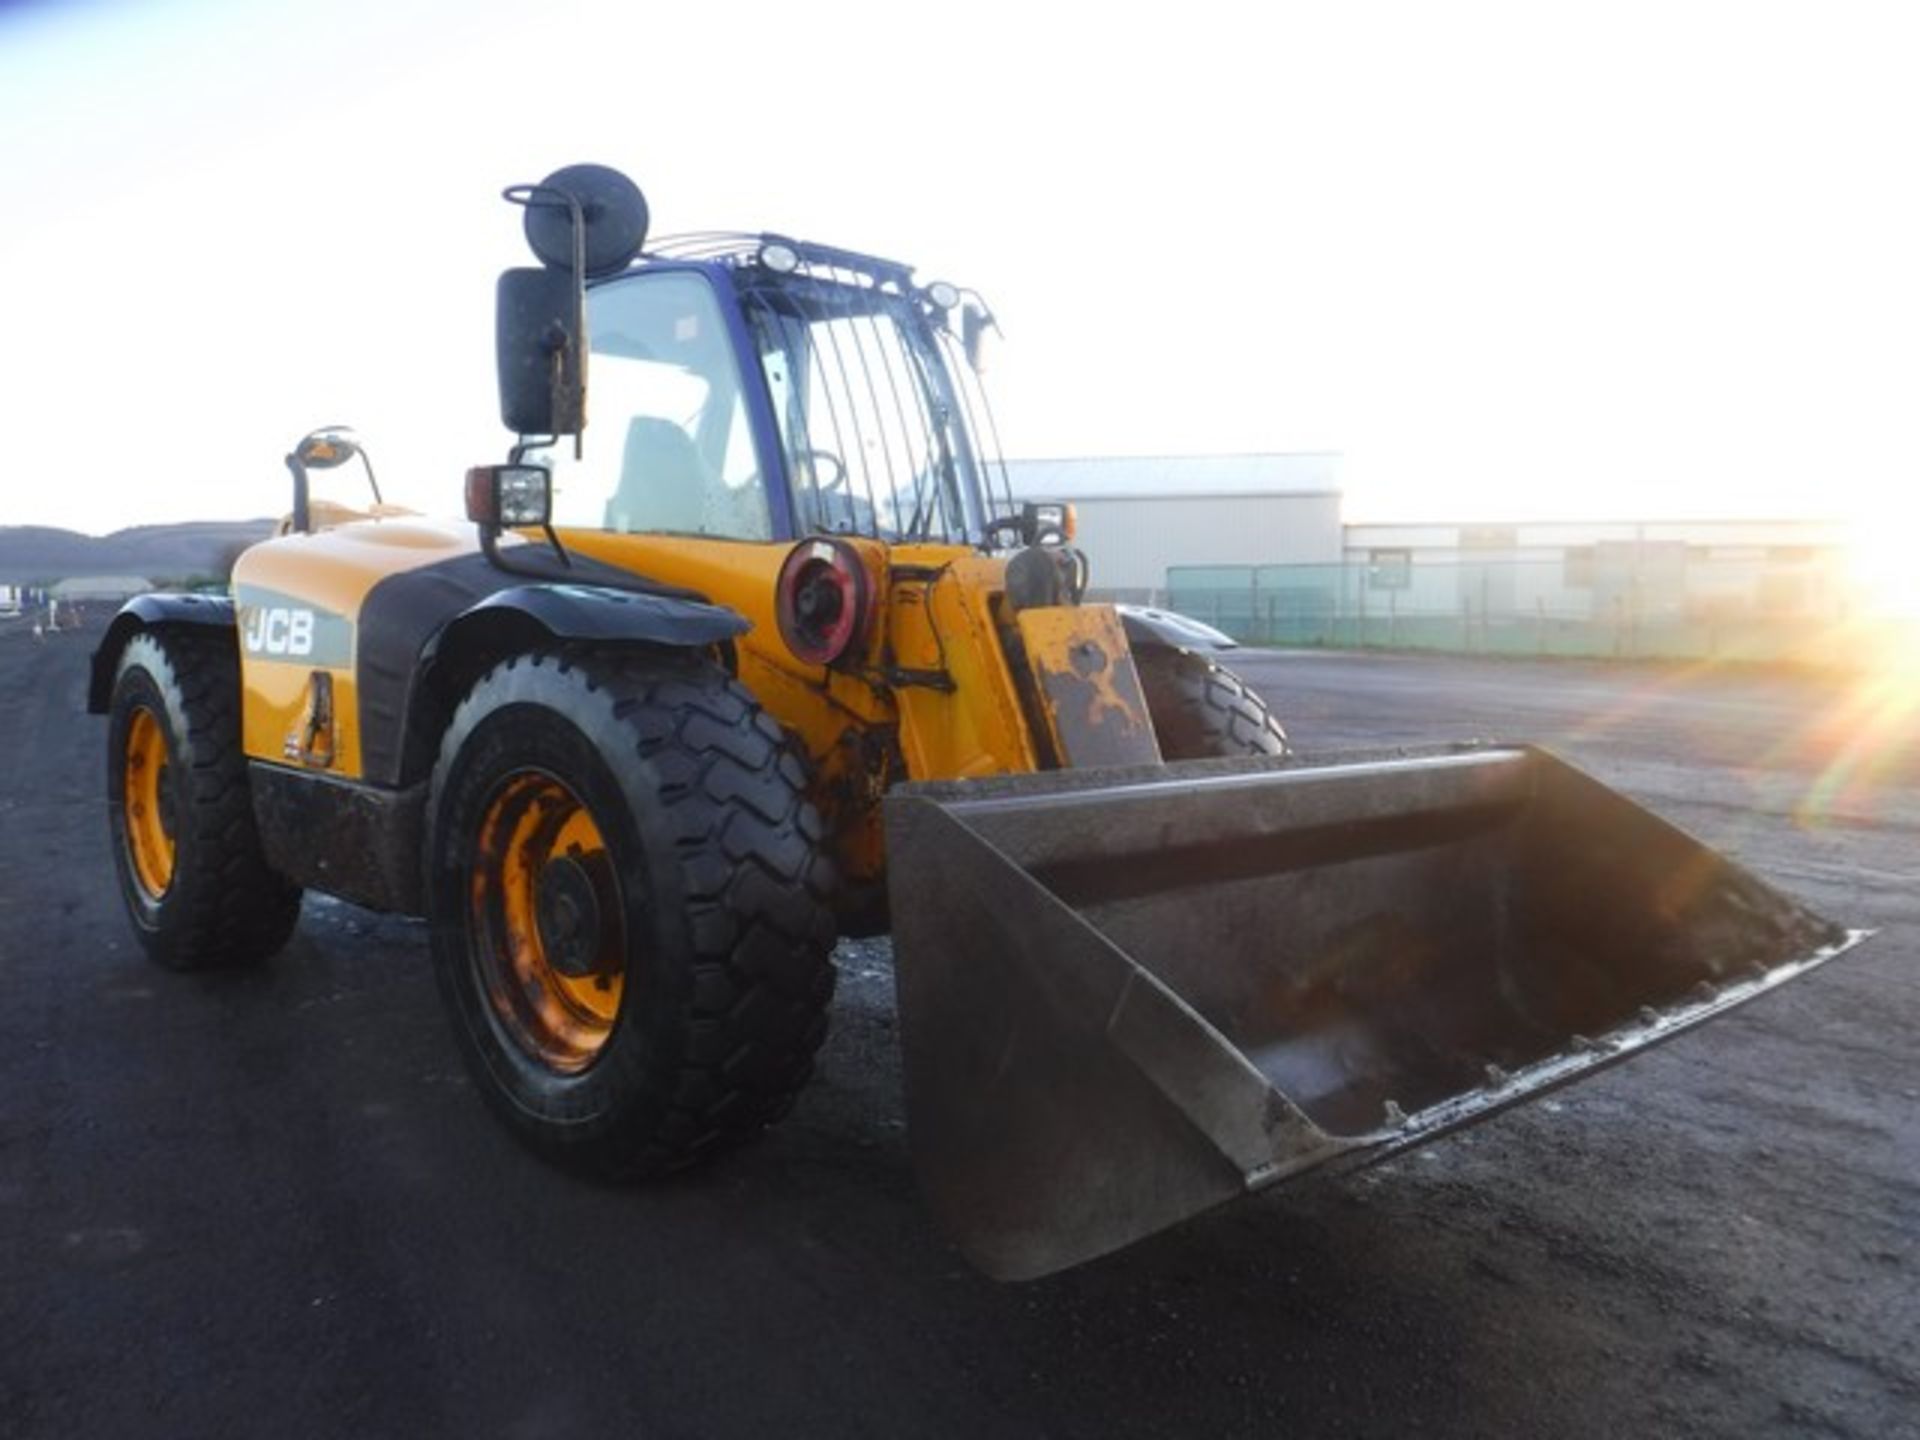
(1701, 567)
(1255, 544)
(100, 587)
(1141, 515)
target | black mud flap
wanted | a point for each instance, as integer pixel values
(1129, 996)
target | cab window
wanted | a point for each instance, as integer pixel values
(668, 444)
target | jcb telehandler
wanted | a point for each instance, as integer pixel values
(775, 658)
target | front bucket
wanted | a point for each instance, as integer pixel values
(1127, 996)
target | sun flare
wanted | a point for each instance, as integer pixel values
(1885, 554)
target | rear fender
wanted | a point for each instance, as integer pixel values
(144, 612)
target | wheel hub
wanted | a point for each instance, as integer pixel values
(149, 806)
(549, 929)
(164, 800)
(568, 914)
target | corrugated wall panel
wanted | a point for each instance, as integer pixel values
(1130, 544)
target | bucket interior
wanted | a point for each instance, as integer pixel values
(1385, 936)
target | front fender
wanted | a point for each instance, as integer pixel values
(599, 612)
(1146, 626)
(409, 680)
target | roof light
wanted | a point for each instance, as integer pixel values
(942, 294)
(779, 257)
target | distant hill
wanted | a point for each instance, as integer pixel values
(39, 553)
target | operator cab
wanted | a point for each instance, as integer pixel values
(849, 415)
(749, 388)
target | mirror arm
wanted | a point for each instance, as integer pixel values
(302, 511)
(561, 359)
(567, 377)
(579, 218)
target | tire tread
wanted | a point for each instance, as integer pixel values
(1202, 710)
(757, 889)
(229, 906)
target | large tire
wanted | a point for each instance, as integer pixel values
(629, 906)
(191, 869)
(1201, 710)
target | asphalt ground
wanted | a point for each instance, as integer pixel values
(269, 1203)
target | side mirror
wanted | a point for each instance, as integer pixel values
(584, 220)
(612, 219)
(324, 449)
(327, 447)
(976, 322)
(539, 353)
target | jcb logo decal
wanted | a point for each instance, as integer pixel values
(274, 626)
(280, 632)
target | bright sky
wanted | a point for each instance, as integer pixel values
(1524, 260)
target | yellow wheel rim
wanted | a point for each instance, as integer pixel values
(547, 922)
(147, 804)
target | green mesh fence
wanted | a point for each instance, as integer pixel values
(1698, 609)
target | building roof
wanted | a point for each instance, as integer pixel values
(1447, 535)
(98, 587)
(1139, 477)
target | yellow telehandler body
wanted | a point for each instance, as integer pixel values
(774, 658)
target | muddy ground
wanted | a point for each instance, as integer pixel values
(268, 1203)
